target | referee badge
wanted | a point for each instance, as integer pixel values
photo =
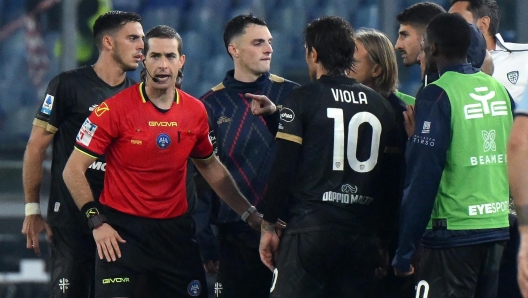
(513, 77)
(194, 288)
(163, 141)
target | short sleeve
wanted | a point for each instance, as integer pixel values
(290, 122)
(54, 106)
(203, 147)
(98, 130)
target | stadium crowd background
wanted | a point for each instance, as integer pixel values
(31, 48)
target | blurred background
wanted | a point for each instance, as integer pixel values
(40, 38)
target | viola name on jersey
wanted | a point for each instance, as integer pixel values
(349, 97)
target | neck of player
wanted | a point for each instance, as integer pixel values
(443, 62)
(109, 71)
(491, 43)
(243, 75)
(320, 71)
(163, 98)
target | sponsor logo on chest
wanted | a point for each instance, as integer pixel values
(486, 106)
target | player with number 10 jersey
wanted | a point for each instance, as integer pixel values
(329, 168)
(343, 127)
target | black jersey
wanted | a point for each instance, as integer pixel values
(343, 128)
(70, 98)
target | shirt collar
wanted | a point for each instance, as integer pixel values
(242, 87)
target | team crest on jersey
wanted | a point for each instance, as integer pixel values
(64, 283)
(163, 141)
(194, 288)
(287, 115)
(101, 109)
(47, 105)
(513, 76)
(218, 289)
(86, 132)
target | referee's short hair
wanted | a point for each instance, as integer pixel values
(484, 8)
(451, 34)
(419, 14)
(165, 32)
(333, 39)
(237, 26)
(110, 22)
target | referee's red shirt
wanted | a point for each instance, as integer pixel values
(146, 150)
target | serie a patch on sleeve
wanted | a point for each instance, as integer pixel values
(47, 105)
(86, 132)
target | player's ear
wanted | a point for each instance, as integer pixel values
(483, 24)
(108, 42)
(434, 49)
(182, 61)
(313, 55)
(377, 70)
(233, 51)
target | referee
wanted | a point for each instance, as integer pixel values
(148, 132)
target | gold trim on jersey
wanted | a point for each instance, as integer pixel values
(393, 150)
(289, 137)
(48, 127)
(276, 78)
(144, 96)
(94, 157)
(218, 87)
(141, 92)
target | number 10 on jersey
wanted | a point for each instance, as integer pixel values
(353, 139)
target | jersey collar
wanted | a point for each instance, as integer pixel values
(145, 98)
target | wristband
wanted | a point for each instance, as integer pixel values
(95, 219)
(248, 213)
(32, 209)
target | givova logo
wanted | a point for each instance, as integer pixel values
(115, 280)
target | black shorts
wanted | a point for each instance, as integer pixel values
(464, 271)
(242, 274)
(328, 263)
(161, 250)
(72, 263)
